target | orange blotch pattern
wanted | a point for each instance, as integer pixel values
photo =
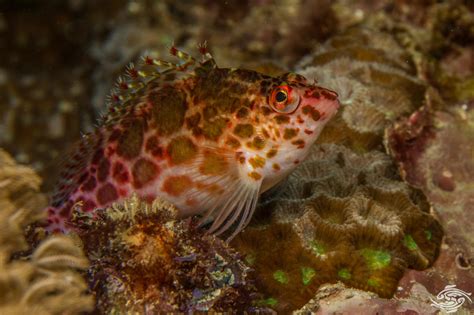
(177, 185)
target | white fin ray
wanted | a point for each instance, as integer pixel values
(234, 207)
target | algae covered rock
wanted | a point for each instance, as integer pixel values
(343, 217)
(434, 150)
(142, 257)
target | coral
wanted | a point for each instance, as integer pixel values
(343, 217)
(47, 282)
(142, 257)
(376, 80)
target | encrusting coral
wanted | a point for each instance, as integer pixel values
(143, 258)
(339, 217)
(47, 282)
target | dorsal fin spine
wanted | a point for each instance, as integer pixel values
(148, 69)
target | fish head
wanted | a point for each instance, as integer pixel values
(292, 115)
(296, 103)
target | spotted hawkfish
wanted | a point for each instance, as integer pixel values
(209, 140)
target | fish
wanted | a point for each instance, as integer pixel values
(208, 139)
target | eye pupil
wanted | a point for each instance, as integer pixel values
(280, 96)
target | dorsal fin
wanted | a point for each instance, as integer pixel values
(150, 69)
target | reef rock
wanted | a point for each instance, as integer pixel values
(434, 150)
(343, 217)
(142, 258)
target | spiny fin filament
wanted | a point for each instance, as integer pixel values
(129, 87)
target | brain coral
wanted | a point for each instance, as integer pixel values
(376, 81)
(143, 258)
(339, 217)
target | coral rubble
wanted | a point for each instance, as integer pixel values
(143, 258)
(47, 282)
(339, 217)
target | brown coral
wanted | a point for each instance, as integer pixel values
(142, 257)
(340, 217)
(47, 283)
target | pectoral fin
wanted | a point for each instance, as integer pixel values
(233, 204)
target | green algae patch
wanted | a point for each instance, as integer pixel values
(373, 282)
(409, 242)
(376, 259)
(268, 302)
(344, 273)
(317, 248)
(250, 259)
(429, 235)
(280, 276)
(307, 274)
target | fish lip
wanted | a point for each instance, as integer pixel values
(334, 92)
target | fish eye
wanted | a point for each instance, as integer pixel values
(281, 96)
(282, 100)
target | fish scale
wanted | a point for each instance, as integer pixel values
(208, 139)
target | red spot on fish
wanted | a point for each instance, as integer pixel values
(308, 132)
(133, 73)
(330, 95)
(115, 98)
(103, 171)
(66, 210)
(82, 178)
(173, 50)
(149, 198)
(89, 185)
(202, 49)
(143, 172)
(153, 146)
(120, 173)
(123, 85)
(106, 194)
(88, 205)
(109, 151)
(98, 155)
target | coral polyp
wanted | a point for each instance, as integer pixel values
(339, 217)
